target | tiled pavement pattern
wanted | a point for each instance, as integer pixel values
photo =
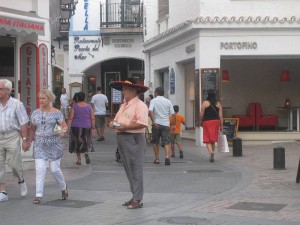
(266, 185)
(231, 191)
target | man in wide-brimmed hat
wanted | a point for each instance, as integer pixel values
(130, 123)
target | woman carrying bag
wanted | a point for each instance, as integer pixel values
(47, 146)
(211, 118)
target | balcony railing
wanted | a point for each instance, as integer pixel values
(67, 9)
(121, 15)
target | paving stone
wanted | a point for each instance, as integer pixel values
(231, 191)
(257, 206)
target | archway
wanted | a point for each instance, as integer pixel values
(102, 73)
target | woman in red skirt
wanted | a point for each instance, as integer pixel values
(211, 118)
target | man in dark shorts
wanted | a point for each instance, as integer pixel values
(160, 110)
(99, 103)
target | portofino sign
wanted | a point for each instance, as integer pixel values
(238, 45)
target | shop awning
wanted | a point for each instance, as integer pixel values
(20, 21)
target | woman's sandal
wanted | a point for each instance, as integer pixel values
(37, 200)
(127, 203)
(64, 194)
(87, 158)
(211, 158)
(135, 204)
(156, 161)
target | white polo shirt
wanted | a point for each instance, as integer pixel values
(64, 100)
(162, 109)
(99, 101)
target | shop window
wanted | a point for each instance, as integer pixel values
(91, 87)
(58, 80)
(163, 8)
(74, 88)
(108, 77)
(165, 82)
(7, 64)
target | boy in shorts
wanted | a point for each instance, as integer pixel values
(175, 129)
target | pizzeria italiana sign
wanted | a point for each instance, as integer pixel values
(22, 25)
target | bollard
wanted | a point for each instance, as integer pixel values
(237, 149)
(298, 173)
(279, 158)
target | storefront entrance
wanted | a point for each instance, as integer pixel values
(58, 82)
(7, 60)
(110, 70)
(259, 79)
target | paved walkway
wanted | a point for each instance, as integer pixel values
(232, 191)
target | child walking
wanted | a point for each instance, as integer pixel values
(175, 128)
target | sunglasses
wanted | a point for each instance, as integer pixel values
(43, 122)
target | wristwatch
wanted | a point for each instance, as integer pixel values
(24, 138)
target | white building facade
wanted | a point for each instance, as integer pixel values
(252, 40)
(105, 44)
(25, 53)
(25, 43)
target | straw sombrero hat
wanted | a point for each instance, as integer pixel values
(119, 85)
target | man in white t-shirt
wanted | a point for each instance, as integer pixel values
(99, 103)
(160, 110)
(64, 103)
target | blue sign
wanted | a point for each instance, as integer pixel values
(86, 14)
(172, 82)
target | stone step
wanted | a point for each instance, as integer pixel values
(257, 137)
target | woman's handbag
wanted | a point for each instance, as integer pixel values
(222, 143)
(57, 129)
(214, 110)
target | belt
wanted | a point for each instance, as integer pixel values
(7, 132)
(124, 133)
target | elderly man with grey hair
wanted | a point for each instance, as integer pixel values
(13, 124)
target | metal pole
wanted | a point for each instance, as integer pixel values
(298, 174)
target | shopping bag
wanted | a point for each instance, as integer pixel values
(202, 144)
(222, 143)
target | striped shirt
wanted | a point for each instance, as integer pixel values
(12, 116)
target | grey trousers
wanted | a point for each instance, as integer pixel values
(132, 149)
(10, 150)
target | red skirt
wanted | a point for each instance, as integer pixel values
(210, 131)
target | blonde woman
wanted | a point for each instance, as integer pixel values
(47, 145)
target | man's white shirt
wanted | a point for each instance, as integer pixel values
(162, 109)
(64, 99)
(99, 101)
